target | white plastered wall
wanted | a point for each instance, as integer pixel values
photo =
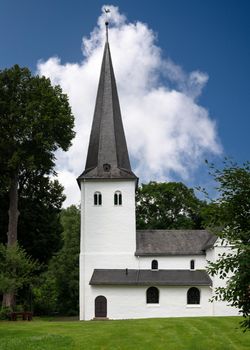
(220, 308)
(172, 262)
(125, 302)
(107, 232)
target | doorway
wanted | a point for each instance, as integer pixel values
(100, 306)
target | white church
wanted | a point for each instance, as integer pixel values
(128, 273)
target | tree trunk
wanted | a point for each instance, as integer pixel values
(13, 211)
(9, 297)
(9, 300)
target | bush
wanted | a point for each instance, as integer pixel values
(4, 313)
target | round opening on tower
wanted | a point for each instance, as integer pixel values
(106, 167)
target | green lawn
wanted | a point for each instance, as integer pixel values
(203, 333)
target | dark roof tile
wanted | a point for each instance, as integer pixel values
(107, 153)
(150, 277)
(173, 242)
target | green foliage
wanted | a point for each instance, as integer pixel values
(40, 229)
(4, 311)
(167, 205)
(35, 121)
(4, 204)
(231, 222)
(16, 269)
(193, 333)
(60, 284)
(45, 294)
(39, 226)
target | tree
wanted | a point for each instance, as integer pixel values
(231, 222)
(59, 290)
(35, 121)
(167, 205)
(40, 201)
(16, 269)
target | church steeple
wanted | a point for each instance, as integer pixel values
(107, 153)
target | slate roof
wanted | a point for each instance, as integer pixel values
(173, 242)
(107, 153)
(150, 277)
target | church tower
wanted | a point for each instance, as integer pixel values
(107, 186)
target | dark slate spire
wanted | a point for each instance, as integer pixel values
(107, 153)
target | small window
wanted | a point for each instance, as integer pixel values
(192, 265)
(152, 295)
(154, 265)
(193, 296)
(97, 198)
(118, 198)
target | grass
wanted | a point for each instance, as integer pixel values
(202, 333)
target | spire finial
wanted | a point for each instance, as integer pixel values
(107, 32)
(106, 11)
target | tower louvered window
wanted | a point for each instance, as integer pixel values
(97, 198)
(154, 265)
(192, 265)
(118, 198)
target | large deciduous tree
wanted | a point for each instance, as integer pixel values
(35, 121)
(167, 205)
(230, 219)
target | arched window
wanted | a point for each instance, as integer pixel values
(97, 198)
(192, 265)
(118, 198)
(154, 265)
(193, 296)
(152, 295)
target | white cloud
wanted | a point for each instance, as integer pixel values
(167, 131)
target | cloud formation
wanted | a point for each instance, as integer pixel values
(168, 132)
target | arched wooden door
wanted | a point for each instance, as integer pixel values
(100, 306)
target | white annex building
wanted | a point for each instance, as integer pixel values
(126, 273)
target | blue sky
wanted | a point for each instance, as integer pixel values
(212, 37)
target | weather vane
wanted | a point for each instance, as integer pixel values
(106, 10)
